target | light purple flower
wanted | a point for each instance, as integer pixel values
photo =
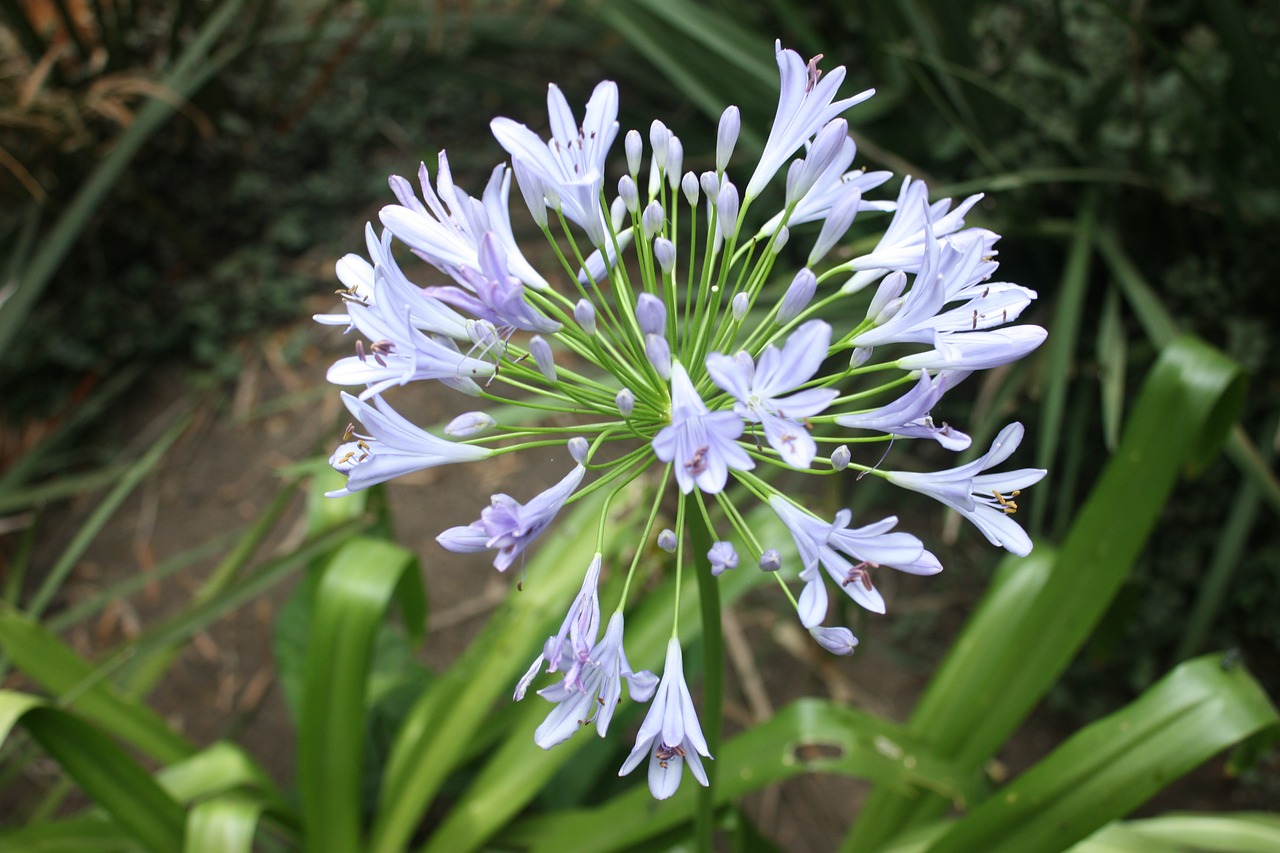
(446, 231)
(759, 389)
(394, 446)
(806, 102)
(400, 354)
(701, 443)
(670, 733)
(571, 164)
(987, 500)
(510, 526)
(493, 294)
(591, 691)
(908, 416)
(976, 350)
(829, 545)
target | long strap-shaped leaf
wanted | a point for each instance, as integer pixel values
(811, 735)
(351, 603)
(106, 773)
(1117, 763)
(1040, 611)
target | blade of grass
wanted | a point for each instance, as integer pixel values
(1059, 356)
(1245, 832)
(1112, 347)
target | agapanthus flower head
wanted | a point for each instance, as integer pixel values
(675, 351)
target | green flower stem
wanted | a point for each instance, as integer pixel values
(713, 672)
(648, 531)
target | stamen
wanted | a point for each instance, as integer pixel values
(814, 73)
(1007, 504)
(698, 464)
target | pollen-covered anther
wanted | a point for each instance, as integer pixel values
(697, 463)
(1009, 505)
(860, 574)
(814, 72)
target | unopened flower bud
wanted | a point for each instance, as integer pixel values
(585, 313)
(469, 423)
(532, 190)
(840, 457)
(635, 149)
(825, 147)
(780, 239)
(665, 251)
(652, 218)
(618, 213)
(660, 139)
(771, 560)
(727, 136)
(541, 352)
(689, 184)
(836, 224)
(578, 449)
(727, 209)
(658, 351)
(675, 162)
(710, 184)
(667, 540)
(722, 557)
(859, 356)
(626, 402)
(629, 193)
(798, 296)
(740, 304)
(838, 641)
(651, 314)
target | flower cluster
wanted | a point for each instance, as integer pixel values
(660, 330)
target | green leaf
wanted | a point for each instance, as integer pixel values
(224, 824)
(76, 684)
(1116, 764)
(806, 737)
(104, 771)
(1187, 833)
(87, 833)
(351, 604)
(1038, 612)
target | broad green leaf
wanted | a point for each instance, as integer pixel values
(1116, 764)
(351, 604)
(104, 771)
(87, 833)
(809, 736)
(75, 683)
(1187, 833)
(224, 824)
(1040, 611)
(216, 770)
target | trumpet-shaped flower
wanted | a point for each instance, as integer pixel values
(759, 389)
(987, 500)
(670, 734)
(510, 526)
(700, 442)
(393, 447)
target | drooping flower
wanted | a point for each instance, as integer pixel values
(670, 734)
(510, 526)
